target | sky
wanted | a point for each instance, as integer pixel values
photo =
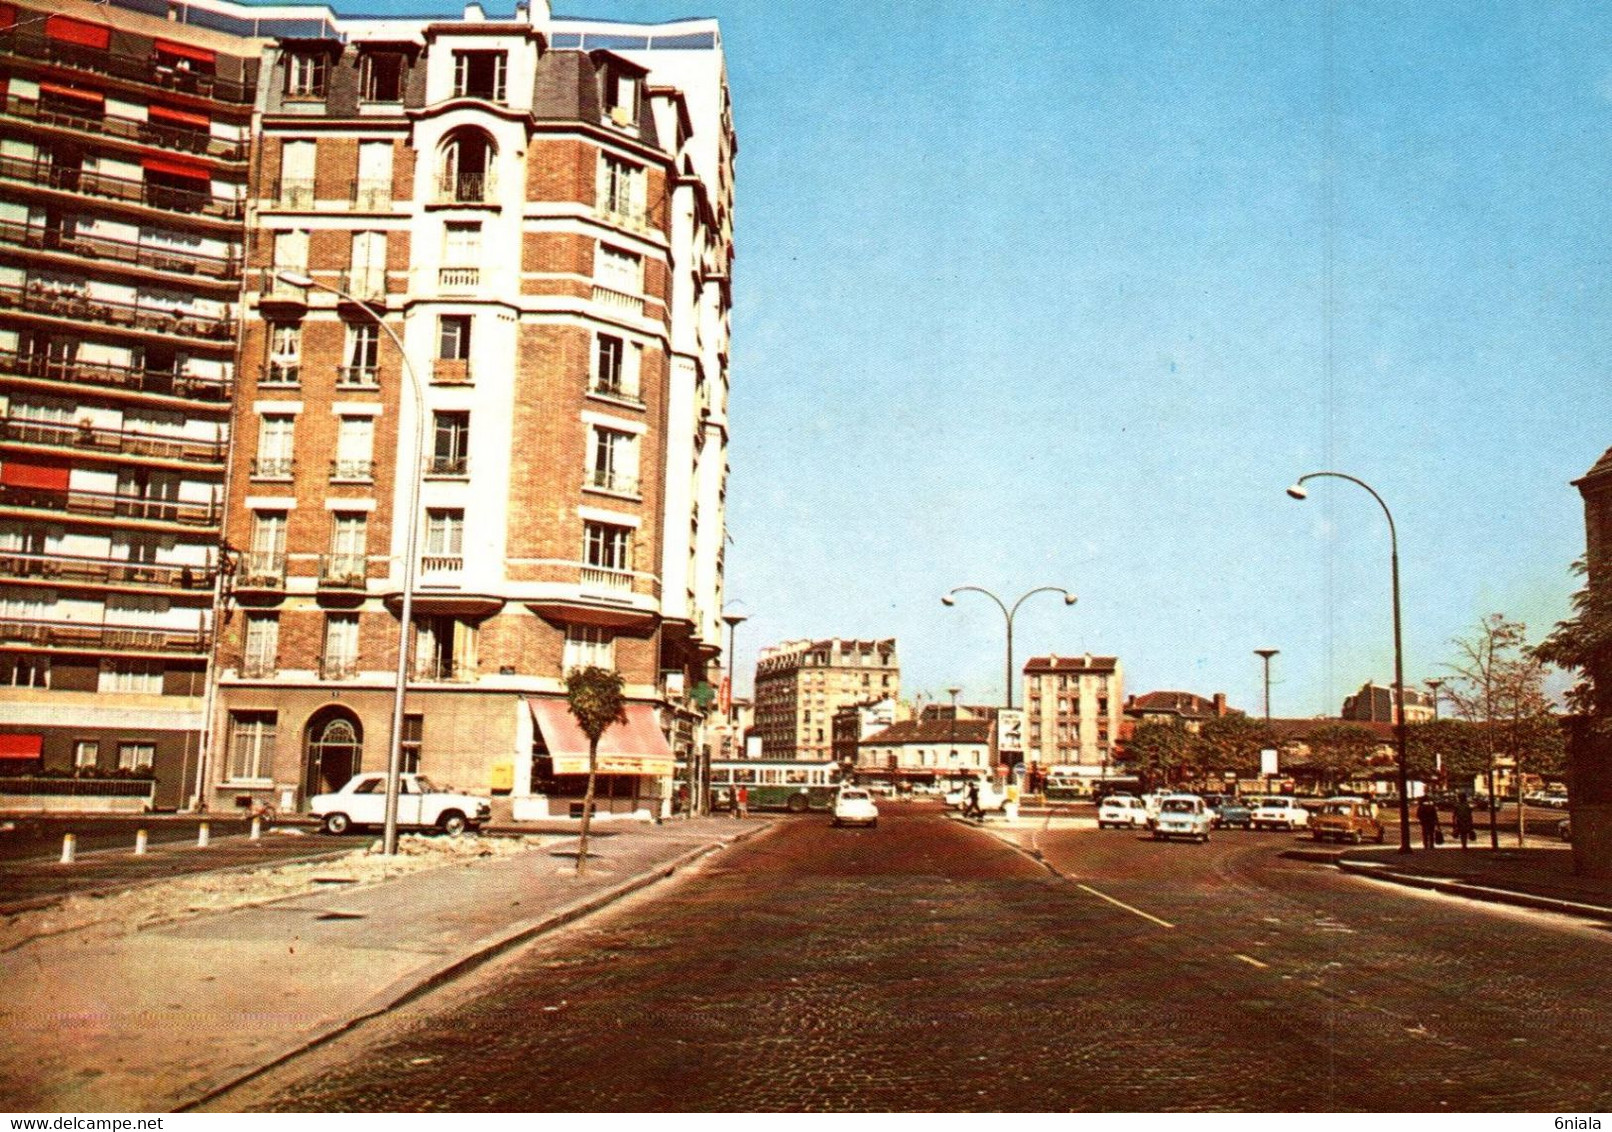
(1068, 293)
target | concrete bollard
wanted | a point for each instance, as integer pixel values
(202, 832)
(69, 848)
(257, 829)
(140, 839)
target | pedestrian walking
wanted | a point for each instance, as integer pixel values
(1427, 814)
(972, 810)
(1465, 829)
(741, 802)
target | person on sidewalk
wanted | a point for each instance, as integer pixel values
(1427, 814)
(1465, 829)
(972, 810)
(741, 802)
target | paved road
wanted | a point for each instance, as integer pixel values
(924, 965)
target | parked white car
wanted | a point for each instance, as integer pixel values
(1280, 813)
(1184, 816)
(420, 805)
(855, 806)
(990, 797)
(1122, 811)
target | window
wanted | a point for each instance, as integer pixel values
(616, 366)
(618, 270)
(450, 455)
(306, 74)
(589, 645)
(285, 354)
(380, 76)
(266, 558)
(349, 538)
(608, 546)
(86, 753)
(453, 337)
(251, 746)
(340, 661)
(446, 648)
(355, 448)
(466, 173)
(274, 446)
(621, 187)
(613, 460)
(621, 97)
(22, 670)
(444, 539)
(366, 275)
(131, 676)
(413, 732)
(262, 654)
(479, 74)
(136, 756)
(373, 189)
(363, 354)
(461, 244)
(298, 166)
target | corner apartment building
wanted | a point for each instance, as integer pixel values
(1073, 706)
(929, 750)
(800, 685)
(540, 209)
(124, 147)
(1374, 703)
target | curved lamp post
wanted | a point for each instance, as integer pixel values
(1008, 615)
(394, 761)
(1297, 492)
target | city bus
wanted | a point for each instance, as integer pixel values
(776, 784)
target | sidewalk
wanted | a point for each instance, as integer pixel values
(160, 1019)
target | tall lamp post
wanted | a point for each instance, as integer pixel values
(1400, 741)
(1008, 615)
(394, 760)
(1265, 655)
(732, 621)
(1433, 686)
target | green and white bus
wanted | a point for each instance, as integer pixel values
(776, 784)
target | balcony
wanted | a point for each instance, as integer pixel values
(458, 280)
(602, 580)
(68, 568)
(133, 379)
(338, 667)
(371, 195)
(78, 307)
(607, 296)
(603, 479)
(352, 471)
(279, 375)
(261, 570)
(85, 636)
(153, 257)
(273, 467)
(358, 377)
(137, 130)
(82, 182)
(616, 391)
(442, 563)
(451, 371)
(367, 285)
(111, 441)
(259, 668)
(26, 43)
(448, 467)
(277, 296)
(111, 507)
(294, 193)
(449, 671)
(467, 188)
(622, 213)
(342, 571)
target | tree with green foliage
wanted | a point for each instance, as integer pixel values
(1339, 751)
(597, 701)
(1457, 746)
(1582, 645)
(1230, 744)
(1157, 752)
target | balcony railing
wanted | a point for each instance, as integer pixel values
(122, 377)
(616, 391)
(342, 571)
(372, 194)
(606, 480)
(259, 668)
(451, 371)
(338, 667)
(622, 214)
(132, 129)
(610, 581)
(441, 563)
(273, 467)
(367, 285)
(281, 375)
(607, 296)
(68, 179)
(430, 668)
(156, 257)
(466, 188)
(457, 280)
(100, 637)
(38, 299)
(122, 442)
(352, 471)
(272, 288)
(104, 571)
(458, 466)
(358, 377)
(109, 505)
(294, 192)
(29, 44)
(261, 570)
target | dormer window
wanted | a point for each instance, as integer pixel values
(306, 74)
(380, 76)
(480, 74)
(621, 98)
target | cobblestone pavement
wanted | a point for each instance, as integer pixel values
(923, 965)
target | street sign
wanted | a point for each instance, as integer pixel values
(1267, 762)
(1009, 732)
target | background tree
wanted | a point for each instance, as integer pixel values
(1457, 746)
(1339, 751)
(1582, 645)
(595, 697)
(1157, 753)
(1230, 744)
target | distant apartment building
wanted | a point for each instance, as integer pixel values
(1073, 710)
(928, 750)
(801, 684)
(1188, 709)
(125, 132)
(1374, 703)
(853, 723)
(540, 209)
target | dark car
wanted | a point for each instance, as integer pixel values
(1237, 812)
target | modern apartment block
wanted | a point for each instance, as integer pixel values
(800, 685)
(1073, 707)
(540, 210)
(124, 148)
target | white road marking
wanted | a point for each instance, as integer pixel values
(1250, 960)
(1122, 904)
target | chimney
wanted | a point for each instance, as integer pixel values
(1088, 660)
(1220, 703)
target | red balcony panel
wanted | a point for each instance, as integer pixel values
(185, 51)
(153, 163)
(81, 32)
(179, 117)
(47, 477)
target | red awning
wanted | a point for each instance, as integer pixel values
(21, 746)
(175, 168)
(634, 747)
(179, 117)
(51, 477)
(8, 15)
(94, 96)
(81, 32)
(185, 51)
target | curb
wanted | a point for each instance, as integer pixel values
(1479, 892)
(412, 986)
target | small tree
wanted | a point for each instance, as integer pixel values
(1157, 752)
(1339, 751)
(1458, 747)
(595, 698)
(1230, 744)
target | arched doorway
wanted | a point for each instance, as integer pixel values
(335, 750)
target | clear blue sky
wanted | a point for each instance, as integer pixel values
(1068, 293)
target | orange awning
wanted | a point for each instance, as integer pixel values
(82, 32)
(175, 168)
(50, 477)
(82, 95)
(184, 51)
(21, 746)
(634, 747)
(178, 117)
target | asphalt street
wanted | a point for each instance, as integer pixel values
(925, 965)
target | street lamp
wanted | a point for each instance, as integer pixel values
(1265, 655)
(394, 761)
(1297, 492)
(732, 620)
